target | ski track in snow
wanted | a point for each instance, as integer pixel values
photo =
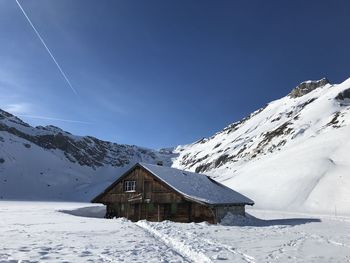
(290, 155)
(37, 232)
(235, 251)
(66, 232)
(178, 245)
(186, 244)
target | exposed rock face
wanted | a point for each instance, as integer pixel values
(86, 150)
(307, 86)
(343, 95)
(266, 131)
(291, 154)
(48, 163)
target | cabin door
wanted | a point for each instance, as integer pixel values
(167, 211)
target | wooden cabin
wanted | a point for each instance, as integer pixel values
(157, 193)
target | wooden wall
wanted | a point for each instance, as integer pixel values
(153, 200)
(158, 191)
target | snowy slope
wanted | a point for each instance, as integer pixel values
(292, 154)
(47, 163)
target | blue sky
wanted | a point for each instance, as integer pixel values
(163, 73)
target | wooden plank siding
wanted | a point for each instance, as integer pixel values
(152, 200)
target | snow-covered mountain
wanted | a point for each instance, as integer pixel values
(294, 153)
(49, 163)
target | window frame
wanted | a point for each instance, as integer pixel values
(129, 186)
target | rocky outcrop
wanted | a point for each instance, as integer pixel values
(269, 130)
(85, 150)
(307, 86)
(343, 95)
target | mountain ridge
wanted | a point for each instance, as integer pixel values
(278, 154)
(57, 165)
(260, 155)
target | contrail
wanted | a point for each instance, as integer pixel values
(46, 47)
(52, 119)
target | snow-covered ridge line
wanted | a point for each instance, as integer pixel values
(86, 150)
(289, 154)
(47, 163)
(308, 86)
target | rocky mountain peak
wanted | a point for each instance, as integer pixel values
(308, 86)
(4, 114)
(83, 150)
(52, 128)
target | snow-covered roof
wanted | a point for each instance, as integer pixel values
(197, 187)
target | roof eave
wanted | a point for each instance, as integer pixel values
(95, 199)
(190, 198)
(230, 204)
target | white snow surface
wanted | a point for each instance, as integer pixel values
(41, 232)
(31, 172)
(40, 174)
(196, 186)
(291, 155)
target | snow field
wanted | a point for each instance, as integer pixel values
(37, 232)
(70, 232)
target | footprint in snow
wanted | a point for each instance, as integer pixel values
(24, 249)
(220, 257)
(85, 253)
(46, 248)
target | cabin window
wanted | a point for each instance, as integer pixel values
(129, 186)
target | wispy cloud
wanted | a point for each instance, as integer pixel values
(52, 118)
(47, 49)
(25, 110)
(17, 108)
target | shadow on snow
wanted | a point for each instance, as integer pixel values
(90, 211)
(249, 220)
(229, 220)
